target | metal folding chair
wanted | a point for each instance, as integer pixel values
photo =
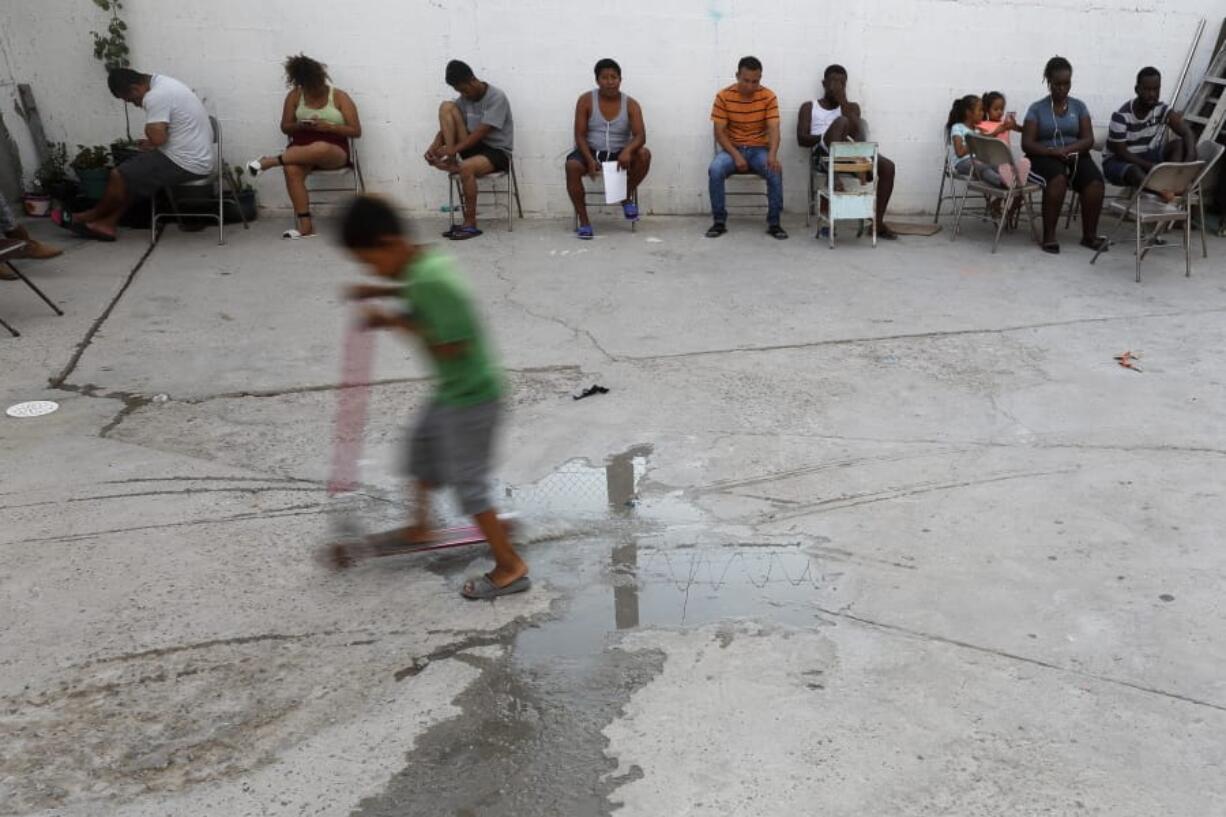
(993, 153)
(218, 183)
(739, 196)
(599, 203)
(8, 249)
(1146, 208)
(858, 201)
(346, 180)
(504, 192)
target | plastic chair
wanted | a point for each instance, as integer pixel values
(221, 178)
(356, 184)
(1146, 208)
(860, 201)
(993, 153)
(11, 247)
(509, 188)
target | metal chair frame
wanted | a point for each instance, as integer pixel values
(1175, 177)
(853, 158)
(993, 152)
(221, 178)
(455, 192)
(354, 168)
(13, 247)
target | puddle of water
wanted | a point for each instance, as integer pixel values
(530, 740)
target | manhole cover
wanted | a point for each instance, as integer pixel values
(33, 408)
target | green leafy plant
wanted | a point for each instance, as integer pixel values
(54, 169)
(111, 48)
(238, 177)
(91, 158)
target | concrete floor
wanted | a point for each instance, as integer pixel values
(855, 532)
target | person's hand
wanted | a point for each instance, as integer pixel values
(321, 126)
(625, 159)
(742, 166)
(772, 164)
(593, 167)
(372, 317)
(1011, 121)
(430, 156)
(144, 144)
(446, 151)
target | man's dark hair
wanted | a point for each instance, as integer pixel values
(458, 73)
(834, 69)
(1146, 72)
(1056, 64)
(122, 80)
(608, 63)
(367, 221)
(749, 63)
(304, 72)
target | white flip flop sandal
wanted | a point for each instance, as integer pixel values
(295, 235)
(253, 167)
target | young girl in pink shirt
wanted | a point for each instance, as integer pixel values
(1000, 124)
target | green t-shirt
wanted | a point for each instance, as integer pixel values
(442, 307)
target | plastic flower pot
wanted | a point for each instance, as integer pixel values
(37, 204)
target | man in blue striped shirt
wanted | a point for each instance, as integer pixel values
(1137, 139)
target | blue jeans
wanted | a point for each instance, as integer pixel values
(722, 167)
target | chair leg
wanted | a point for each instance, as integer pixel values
(1000, 225)
(936, 218)
(1030, 217)
(221, 210)
(451, 183)
(519, 207)
(1204, 245)
(13, 331)
(1139, 232)
(31, 285)
(1187, 241)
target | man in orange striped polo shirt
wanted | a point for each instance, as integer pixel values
(746, 120)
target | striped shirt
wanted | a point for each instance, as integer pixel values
(746, 119)
(1139, 135)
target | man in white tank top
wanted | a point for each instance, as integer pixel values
(833, 118)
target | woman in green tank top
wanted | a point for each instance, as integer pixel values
(319, 121)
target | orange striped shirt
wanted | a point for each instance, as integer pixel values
(746, 118)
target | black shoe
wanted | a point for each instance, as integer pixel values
(775, 231)
(716, 230)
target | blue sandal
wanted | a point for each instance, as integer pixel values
(464, 233)
(631, 210)
(585, 232)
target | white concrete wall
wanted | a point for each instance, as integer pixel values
(907, 60)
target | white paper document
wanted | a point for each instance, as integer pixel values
(614, 183)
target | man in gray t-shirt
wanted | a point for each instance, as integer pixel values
(475, 138)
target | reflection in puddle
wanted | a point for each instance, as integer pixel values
(580, 489)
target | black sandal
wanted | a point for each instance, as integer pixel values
(776, 231)
(716, 230)
(1052, 247)
(1098, 243)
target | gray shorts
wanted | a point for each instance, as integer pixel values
(451, 446)
(149, 171)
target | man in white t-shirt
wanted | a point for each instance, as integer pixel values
(177, 148)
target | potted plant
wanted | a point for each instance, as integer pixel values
(123, 149)
(246, 197)
(50, 181)
(92, 165)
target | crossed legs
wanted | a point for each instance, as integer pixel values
(299, 161)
